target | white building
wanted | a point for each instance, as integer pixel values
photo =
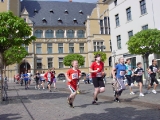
(127, 17)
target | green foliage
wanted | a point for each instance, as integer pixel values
(14, 55)
(103, 55)
(145, 42)
(69, 58)
(13, 31)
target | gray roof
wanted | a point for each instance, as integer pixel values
(44, 7)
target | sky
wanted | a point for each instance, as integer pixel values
(90, 1)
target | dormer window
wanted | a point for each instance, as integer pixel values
(75, 21)
(66, 12)
(35, 11)
(51, 11)
(44, 20)
(59, 21)
(80, 12)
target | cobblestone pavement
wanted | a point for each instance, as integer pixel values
(41, 105)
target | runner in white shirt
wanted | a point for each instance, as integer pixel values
(29, 77)
(42, 79)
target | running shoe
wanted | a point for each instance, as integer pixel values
(78, 92)
(154, 91)
(147, 92)
(71, 105)
(132, 93)
(96, 99)
(50, 90)
(118, 100)
(141, 95)
(35, 87)
(94, 103)
(43, 88)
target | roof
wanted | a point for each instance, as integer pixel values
(58, 8)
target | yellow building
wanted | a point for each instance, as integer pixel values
(62, 28)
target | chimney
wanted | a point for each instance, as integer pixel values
(70, 0)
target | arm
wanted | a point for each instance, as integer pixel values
(91, 69)
(67, 77)
(113, 72)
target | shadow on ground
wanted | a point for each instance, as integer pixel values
(10, 117)
(128, 113)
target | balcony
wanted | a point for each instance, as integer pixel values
(63, 40)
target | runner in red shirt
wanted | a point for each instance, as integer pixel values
(97, 72)
(73, 76)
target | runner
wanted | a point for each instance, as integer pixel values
(120, 72)
(128, 75)
(26, 80)
(97, 71)
(37, 79)
(17, 77)
(21, 78)
(72, 77)
(42, 79)
(29, 75)
(54, 78)
(139, 79)
(49, 77)
(153, 69)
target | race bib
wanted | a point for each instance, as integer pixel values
(122, 73)
(155, 69)
(99, 74)
(49, 79)
(140, 73)
(129, 67)
(75, 76)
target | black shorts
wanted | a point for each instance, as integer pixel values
(50, 82)
(153, 79)
(37, 81)
(138, 80)
(129, 79)
(98, 82)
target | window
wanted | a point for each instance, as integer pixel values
(109, 26)
(101, 26)
(117, 20)
(70, 34)
(60, 47)
(26, 47)
(119, 42)
(110, 45)
(128, 12)
(50, 63)
(130, 34)
(81, 12)
(133, 62)
(143, 7)
(61, 63)
(60, 34)
(38, 33)
(98, 46)
(49, 48)
(115, 2)
(145, 27)
(59, 21)
(49, 34)
(39, 63)
(2, 0)
(81, 47)
(80, 34)
(66, 12)
(38, 48)
(71, 47)
(24, 19)
(44, 20)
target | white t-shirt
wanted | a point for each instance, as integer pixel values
(29, 75)
(42, 76)
(49, 76)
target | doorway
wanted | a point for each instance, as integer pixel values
(25, 66)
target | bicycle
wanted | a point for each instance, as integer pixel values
(4, 90)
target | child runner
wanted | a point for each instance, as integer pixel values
(73, 76)
(26, 78)
(121, 71)
(153, 69)
(138, 73)
(42, 79)
(128, 75)
(48, 76)
(97, 71)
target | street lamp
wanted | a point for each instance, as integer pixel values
(114, 56)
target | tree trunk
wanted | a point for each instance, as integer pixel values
(146, 65)
(1, 73)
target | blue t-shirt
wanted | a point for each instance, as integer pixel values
(26, 76)
(121, 70)
(128, 69)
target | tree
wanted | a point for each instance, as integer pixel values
(103, 55)
(13, 32)
(69, 58)
(144, 43)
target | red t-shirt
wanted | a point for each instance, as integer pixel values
(73, 76)
(95, 66)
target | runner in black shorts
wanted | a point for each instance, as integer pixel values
(153, 69)
(97, 72)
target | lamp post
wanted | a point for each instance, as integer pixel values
(114, 56)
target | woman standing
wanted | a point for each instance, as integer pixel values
(121, 71)
(97, 71)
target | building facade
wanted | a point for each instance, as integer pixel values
(63, 28)
(127, 18)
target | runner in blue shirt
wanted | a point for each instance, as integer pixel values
(121, 71)
(26, 78)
